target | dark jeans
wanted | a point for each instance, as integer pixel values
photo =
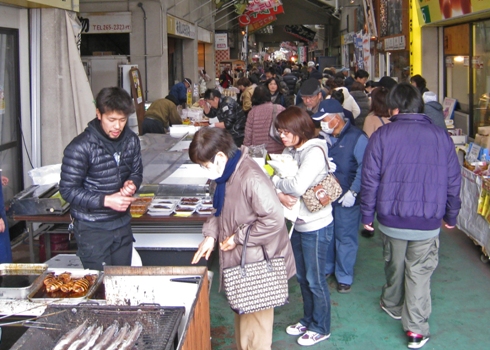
(310, 254)
(152, 126)
(97, 246)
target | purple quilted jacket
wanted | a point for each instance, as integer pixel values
(410, 175)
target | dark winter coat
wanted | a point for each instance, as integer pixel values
(363, 103)
(410, 175)
(433, 110)
(231, 114)
(89, 172)
(290, 80)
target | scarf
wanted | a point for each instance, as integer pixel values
(219, 193)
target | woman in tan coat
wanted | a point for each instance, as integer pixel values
(244, 196)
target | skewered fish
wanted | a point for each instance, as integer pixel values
(83, 338)
(70, 337)
(91, 278)
(123, 333)
(107, 336)
(132, 337)
(81, 285)
(95, 335)
(67, 287)
(49, 278)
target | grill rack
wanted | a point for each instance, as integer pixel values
(160, 324)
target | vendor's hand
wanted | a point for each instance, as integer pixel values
(220, 125)
(2, 225)
(369, 227)
(118, 202)
(331, 165)
(5, 181)
(202, 103)
(448, 226)
(205, 249)
(128, 189)
(347, 200)
(228, 244)
(287, 200)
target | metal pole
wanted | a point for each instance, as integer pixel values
(246, 48)
(146, 53)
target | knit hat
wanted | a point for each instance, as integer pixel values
(387, 82)
(429, 96)
(310, 87)
(328, 106)
(311, 64)
(188, 81)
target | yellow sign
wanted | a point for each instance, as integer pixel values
(439, 10)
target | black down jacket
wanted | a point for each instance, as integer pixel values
(231, 114)
(89, 172)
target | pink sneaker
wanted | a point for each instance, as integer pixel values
(296, 329)
(311, 338)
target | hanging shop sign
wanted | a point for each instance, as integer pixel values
(265, 21)
(178, 27)
(105, 22)
(221, 41)
(242, 6)
(301, 32)
(252, 17)
(431, 11)
(348, 38)
(395, 43)
(289, 46)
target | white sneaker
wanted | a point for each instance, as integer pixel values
(311, 338)
(296, 329)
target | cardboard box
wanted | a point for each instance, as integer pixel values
(478, 138)
(460, 139)
(484, 130)
(485, 142)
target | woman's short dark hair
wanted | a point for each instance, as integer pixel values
(209, 141)
(297, 122)
(244, 82)
(209, 94)
(261, 95)
(378, 102)
(114, 99)
(338, 82)
(419, 81)
(406, 98)
(338, 95)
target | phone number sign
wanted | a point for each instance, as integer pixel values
(105, 22)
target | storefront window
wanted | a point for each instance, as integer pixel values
(481, 74)
(458, 77)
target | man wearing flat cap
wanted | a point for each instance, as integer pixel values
(346, 144)
(311, 94)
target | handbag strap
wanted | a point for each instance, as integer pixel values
(325, 155)
(244, 250)
(381, 120)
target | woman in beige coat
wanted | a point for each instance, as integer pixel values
(244, 196)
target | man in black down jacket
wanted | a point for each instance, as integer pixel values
(100, 172)
(229, 113)
(290, 80)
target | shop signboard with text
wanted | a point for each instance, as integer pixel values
(431, 11)
(105, 22)
(181, 28)
(252, 17)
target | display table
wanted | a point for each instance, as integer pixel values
(469, 221)
(156, 225)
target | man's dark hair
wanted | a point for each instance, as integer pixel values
(406, 98)
(357, 86)
(114, 99)
(261, 95)
(420, 81)
(361, 73)
(209, 94)
(272, 70)
(338, 95)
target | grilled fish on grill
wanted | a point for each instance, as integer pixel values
(83, 338)
(123, 332)
(65, 277)
(67, 287)
(70, 337)
(106, 338)
(132, 337)
(53, 284)
(95, 335)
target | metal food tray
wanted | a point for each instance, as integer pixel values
(19, 270)
(76, 273)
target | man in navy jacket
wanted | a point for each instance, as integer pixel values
(411, 178)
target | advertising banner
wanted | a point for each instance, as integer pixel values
(438, 10)
(300, 32)
(265, 21)
(221, 41)
(252, 17)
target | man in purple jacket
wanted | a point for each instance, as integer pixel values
(411, 178)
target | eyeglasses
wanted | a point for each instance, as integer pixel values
(283, 132)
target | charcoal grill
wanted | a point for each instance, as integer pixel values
(160, 324)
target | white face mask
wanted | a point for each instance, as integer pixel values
(216, 169)
(327, 129)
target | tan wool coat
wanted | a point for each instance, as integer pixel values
(251, 199)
